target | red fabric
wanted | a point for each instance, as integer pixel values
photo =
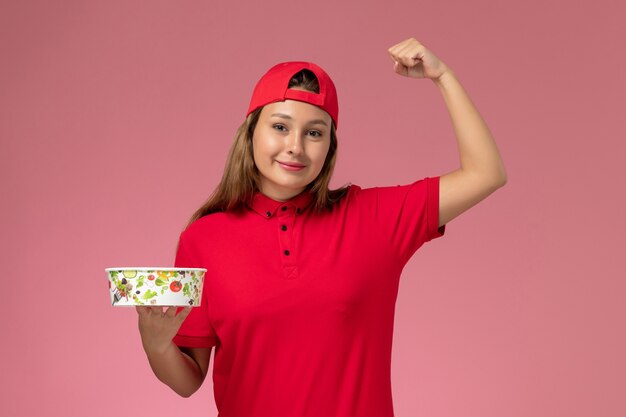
(273, 86)
(307, 334)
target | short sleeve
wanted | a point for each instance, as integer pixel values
(196, 330)
(409, 215)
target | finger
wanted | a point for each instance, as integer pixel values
(182, 314)
(400, 69)
(170, 312)
(396, 66)
(411, 54)
(142, 310)
(392, 51)
(395, 52)
(404, 57)
(157, 310)
(397, 48)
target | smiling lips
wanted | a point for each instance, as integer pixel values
(291, 166)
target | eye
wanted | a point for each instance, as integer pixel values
(315, 133)
(279, 127)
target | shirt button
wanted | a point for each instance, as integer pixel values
(284, 227)
(284, 208)
(287, 252)
(268, 214)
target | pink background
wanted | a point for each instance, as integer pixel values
(115, 121)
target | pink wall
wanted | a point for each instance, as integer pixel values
(115, 120)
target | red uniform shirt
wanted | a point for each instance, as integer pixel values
(300, 305)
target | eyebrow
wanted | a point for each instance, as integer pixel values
(312, 122)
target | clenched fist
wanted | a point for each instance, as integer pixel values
(412, 59)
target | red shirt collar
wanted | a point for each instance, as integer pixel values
(267, 207)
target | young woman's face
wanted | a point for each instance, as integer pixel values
(292, 133)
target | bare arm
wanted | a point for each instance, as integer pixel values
(481, 171)
(183, 370)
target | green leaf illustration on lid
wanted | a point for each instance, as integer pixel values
(149, 294)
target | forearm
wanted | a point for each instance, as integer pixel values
(478, 151)
(176, 369)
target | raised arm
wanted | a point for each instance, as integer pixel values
(481, 171)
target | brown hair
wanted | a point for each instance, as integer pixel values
(241, 178)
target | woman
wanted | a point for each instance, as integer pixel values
(301, 285)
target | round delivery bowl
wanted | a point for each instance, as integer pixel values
(155, 286)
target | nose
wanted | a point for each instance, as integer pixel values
(295, 143)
